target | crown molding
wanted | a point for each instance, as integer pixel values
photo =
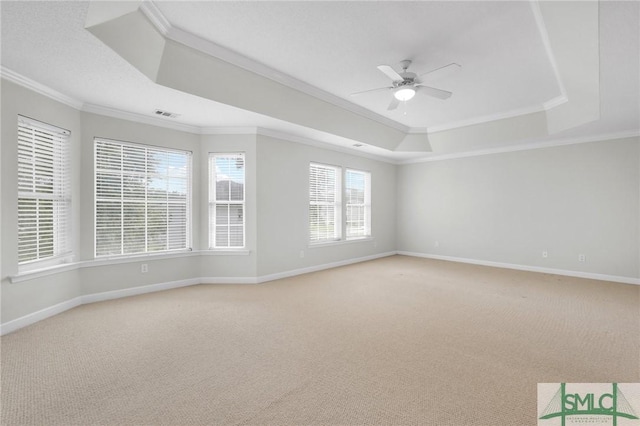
(46, 91)
(153, 14)
(229, 130)
(50, 93)
(179, 35)
(139, 118)
(527, 147)
(34, 86)
(176, 34)
(41, 89)
(160, 22)
(276, 134)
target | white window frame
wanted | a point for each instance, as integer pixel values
(214, 203)
(146, 199)
(325, 198)
(44, 175)
(363, 231)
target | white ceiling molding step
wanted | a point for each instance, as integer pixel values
(544, 35)
(573, 30)
(232, 130)
(486, 119)
(161, 23)
(526, 147)
(174, 65)
(275, 134)
(171, 57)
(415, 142)
(490, 134)
(27, 83)
(121, 26)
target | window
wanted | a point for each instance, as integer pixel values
(44, 191)
(324, 203)
(358, 203)
(226, 201)
(143, 198)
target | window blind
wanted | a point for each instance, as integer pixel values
(226, 200)
(44, 191)
(324, 203)
(143, 198)
(358, 203)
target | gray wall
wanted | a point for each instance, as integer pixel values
(504, 208)
(268, 167)
(283, 197)
(508, 208)
(24, 298)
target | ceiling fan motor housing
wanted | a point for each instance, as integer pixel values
(408, 79)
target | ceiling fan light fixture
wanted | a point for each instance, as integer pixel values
(404, 93)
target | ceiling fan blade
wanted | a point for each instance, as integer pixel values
(371, 90)
(390, 72)
(442, 71)
(393, 104)
(436, 93)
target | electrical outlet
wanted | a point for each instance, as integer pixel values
(582, 258)
(144, 268)
(545, 254)
(436, 244)
(301, 254)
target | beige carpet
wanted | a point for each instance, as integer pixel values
(398, 340)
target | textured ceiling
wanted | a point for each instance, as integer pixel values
(335, 47)
(47, 42)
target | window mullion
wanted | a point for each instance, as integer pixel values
(122, 230)
(146, 200)
(38, 239)
(166, 202)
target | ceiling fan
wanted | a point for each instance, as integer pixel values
(405, 84)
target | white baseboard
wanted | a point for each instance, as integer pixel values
(294, 272)
(578, 274)
(133, 291)
(228, 280)
(34, 317)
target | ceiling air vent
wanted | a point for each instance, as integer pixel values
(166, 113)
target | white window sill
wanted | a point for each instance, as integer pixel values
(340, 242)
(43, 272)
(41, 264)
(114, 260)
(225, 252)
